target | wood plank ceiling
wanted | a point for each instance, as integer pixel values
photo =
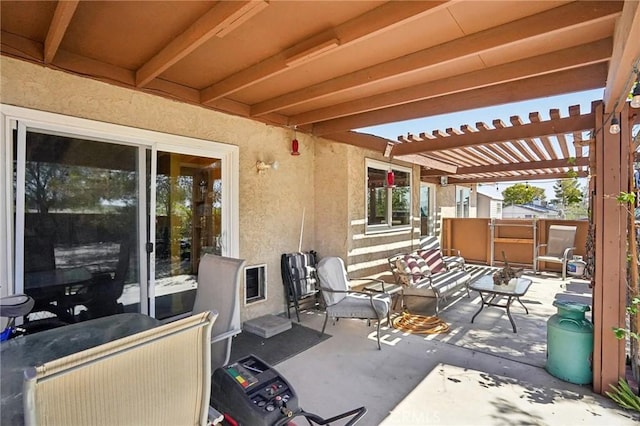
(329, 67)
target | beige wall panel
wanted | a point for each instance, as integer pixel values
(331, 200)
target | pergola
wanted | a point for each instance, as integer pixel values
(550, 149)
(328, 67)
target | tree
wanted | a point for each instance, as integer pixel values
(521, 193)
(567, 192)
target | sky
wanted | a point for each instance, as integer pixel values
(487, 115)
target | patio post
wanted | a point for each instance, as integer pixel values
(611, 178)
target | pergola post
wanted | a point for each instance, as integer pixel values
(609, 293)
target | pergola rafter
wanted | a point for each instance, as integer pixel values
(539, 149)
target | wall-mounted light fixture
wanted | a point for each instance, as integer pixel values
(391, 179)
(262, 166)
(295, 146)
(614, 129)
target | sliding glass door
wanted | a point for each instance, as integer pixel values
(76, 210)
(103, 219)
(188, 224)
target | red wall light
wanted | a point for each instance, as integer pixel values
(294, 147)
(391, 178)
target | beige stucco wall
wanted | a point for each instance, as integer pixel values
(331, 199)
(271, 205)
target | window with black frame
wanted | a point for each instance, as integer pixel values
(388, 196)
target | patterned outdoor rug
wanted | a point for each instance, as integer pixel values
(277, 348)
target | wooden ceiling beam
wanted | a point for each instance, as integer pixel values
(545, 128)
(485, 151)
(22, 48)
(428, 162)
(223, 17)
(534, 117)
(376, 21)
(578, 144)
(512, 167)
(585, 78)
(529, 178)
(468, 157)
(625, 57)
(58, 27)
(508, 147)
(559, 19)
(361, 140)
(477, 156)
(590, 53)
(108, 73)
(529, 142)
(562, 140)
(488, 152)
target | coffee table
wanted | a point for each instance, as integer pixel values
(489, 292)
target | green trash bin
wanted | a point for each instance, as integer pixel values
(570, 343)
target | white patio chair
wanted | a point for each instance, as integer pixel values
(341, 302)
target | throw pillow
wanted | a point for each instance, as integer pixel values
(404, 270)
(411, 268)
(434, 260)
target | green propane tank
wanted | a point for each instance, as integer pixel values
(570, 343)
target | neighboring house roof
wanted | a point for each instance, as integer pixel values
(491, 192)
(533, 208)
(538, 208)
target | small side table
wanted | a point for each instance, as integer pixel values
(489, 291)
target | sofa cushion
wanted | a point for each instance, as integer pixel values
(448, 281)
(359, 306)
(433, 259)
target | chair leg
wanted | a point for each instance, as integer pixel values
(378, 334)
(437, 306)
(395, 298)
(326, 317)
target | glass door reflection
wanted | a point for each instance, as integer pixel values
(81, 198)
(188, 225)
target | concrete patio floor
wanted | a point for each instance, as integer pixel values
(480, 374)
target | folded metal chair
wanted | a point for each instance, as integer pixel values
(219, 290)
(156, 377)
(558, 249)
(299, 277)
(342, 302)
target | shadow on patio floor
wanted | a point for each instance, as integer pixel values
(479, 373)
